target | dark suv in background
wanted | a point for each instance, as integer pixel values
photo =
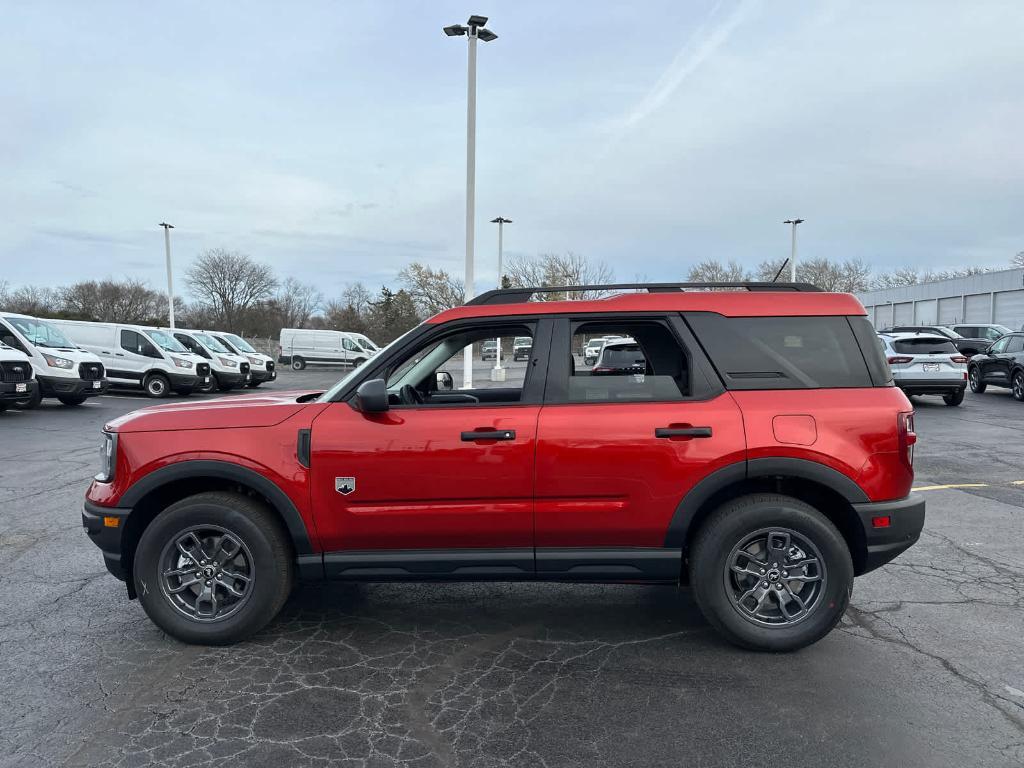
(999, 365)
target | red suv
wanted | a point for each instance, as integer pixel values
(755, 448)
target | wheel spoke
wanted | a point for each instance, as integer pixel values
(233, 575)
(785, 596)
(207, 597)
(191, 537)
(182, 571)
(778, 546)
(230, 587)
(745, 564)
(799, 571)
(227, 549)
(183, 585)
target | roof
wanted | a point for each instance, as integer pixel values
(727, 303)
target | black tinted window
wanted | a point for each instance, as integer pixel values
(1016, 344)
(783, 352)
(924, 347)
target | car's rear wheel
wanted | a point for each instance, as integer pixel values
(771, 573)
(71, 399)
(1017, 385)
(298, 364)
(156, 385)
(213, 568)
(974, 379)
(954, 398)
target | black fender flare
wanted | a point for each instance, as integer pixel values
(679, 528)
(225, 470)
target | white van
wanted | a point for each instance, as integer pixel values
(303, 346)
(227, 369)
(62, 370)
(365, 342)
(17, 383)
(135, 356)
(261, 367)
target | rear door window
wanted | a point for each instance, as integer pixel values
(1016, 344)
(784, 352)
(924, 347)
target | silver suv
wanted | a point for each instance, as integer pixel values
(926, 364)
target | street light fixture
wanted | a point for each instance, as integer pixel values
(498, 374)
(170, 281)
(792, 253)
(473, 30)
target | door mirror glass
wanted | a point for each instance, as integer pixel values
(445, 381)
(372, 396)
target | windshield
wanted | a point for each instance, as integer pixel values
(995, 331)
(165, 341)
(365, 344)
(330, 394)
(39, 333)
(211, 343)
(239, 343)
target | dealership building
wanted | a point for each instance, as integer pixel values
(992, 297)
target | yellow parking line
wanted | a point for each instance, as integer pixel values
(951, 485)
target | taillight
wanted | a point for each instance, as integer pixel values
(905, 427)
(958, 359)
(894, 360)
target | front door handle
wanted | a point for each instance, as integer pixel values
(489, 434)
(682, 432)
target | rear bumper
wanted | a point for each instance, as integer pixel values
(931, 386)
(107, 537)
(9, 393)
(906, 520)
(54, 386)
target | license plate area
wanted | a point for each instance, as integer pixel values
(96, 385)
(930, 367)
(21, 387)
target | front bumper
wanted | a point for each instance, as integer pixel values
(935, 386)
(98, 523)
(184, 380)
(54, 386)
(9, 391)
(906, 520)
(231, 380)
(260, 375)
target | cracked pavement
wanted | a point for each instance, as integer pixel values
(926, 669)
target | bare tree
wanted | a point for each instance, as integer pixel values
(33, 300)
(849, 276)
(295, 302)
(714, 271)
(125, 301)
(357, 297)
(554, 269)
(230, 282)
(5, 293)
(1017, 261)
(896, 278)
(432, 290)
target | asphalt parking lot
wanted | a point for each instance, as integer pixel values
(927, 668)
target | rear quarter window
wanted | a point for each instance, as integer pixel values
(790, 352)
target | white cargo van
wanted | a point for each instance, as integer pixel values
(262, 366)
(135, 356)
(365, 342)
(227, 369)
(17, 383)
(302, 346)
(62, 369)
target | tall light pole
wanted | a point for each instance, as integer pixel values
(474, 30)
(501, 221)
(792, 250)
(170, 280)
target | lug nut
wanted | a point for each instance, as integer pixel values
(764, 584)
(208, 583)
(762, 570)
(778, 586)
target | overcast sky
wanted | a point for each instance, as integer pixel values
(328, 139)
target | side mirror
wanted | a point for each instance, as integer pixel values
(445, 382)
(372, 396)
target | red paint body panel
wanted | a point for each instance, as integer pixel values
(605, 480)
(418, 485)
(728, 303)
(856, 433)
(263, 410)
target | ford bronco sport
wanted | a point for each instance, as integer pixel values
(759, 452)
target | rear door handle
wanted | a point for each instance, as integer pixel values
(682, 432)
(489, 434)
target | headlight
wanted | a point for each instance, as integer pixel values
(228, 362)
(255, 360)
(59, 362)
(182, 363)
(108, 457)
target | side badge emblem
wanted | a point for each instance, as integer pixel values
(344, 485)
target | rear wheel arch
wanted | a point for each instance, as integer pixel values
(829, 491)
(163, 487)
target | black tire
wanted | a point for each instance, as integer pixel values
(298, 364)
(358, 361)
(1017, 385)
(208, 388)
(751, 516)
(974, 379)
(71, 399)
(272, 569)
(954, 398)
(32, 402)
(156, 385)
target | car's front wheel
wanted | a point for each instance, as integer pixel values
(156, 385)
(213, 568)
(71, 399)
(771, 573)
(1017, 385)
(298, 364)
(974, 379)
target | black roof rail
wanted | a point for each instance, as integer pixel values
(520, 295)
